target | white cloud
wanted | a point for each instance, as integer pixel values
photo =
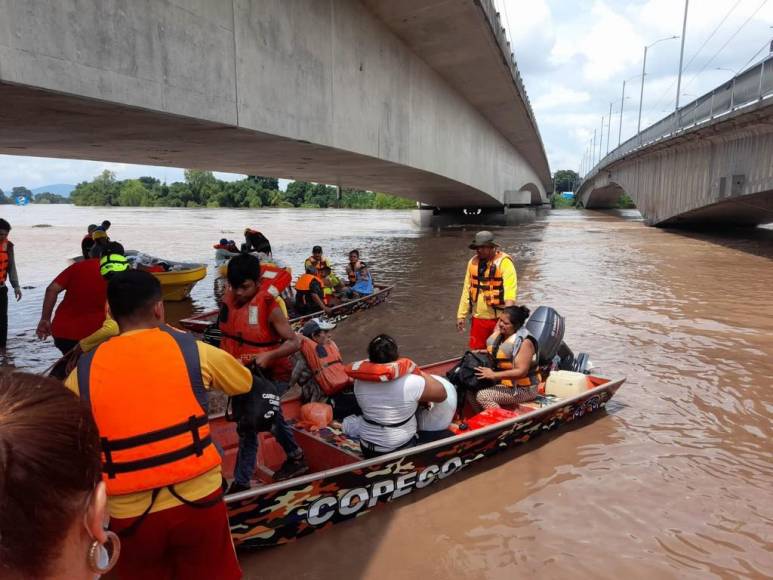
(598, 43)
(560, 97)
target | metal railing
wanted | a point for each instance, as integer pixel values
(749, 87)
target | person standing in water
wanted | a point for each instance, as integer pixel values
(7, 272)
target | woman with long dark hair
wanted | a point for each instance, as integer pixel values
(515, 362)
(53, 505)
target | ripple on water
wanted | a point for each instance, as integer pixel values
(675, 481)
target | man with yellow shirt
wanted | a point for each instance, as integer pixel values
(490, 284)
(147, 389)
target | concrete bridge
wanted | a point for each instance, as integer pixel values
(710, 163)
(418, 99)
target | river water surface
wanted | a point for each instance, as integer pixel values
(675, 480)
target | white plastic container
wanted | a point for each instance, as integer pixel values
(565, 384)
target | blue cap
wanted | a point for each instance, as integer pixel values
(223, 241)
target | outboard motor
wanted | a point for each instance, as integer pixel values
(582, 364)
(564, 359)
(546, 326)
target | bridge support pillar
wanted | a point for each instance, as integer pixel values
(434, 217)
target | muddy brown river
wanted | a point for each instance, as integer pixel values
(674, 480)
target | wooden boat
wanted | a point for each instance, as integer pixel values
(343, 485)
(178, 281)
(200, 322)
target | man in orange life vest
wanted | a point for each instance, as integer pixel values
(256, 331)
(317, 260)
(310, 293)
(490, 284)
(7, 272)
(147, 389)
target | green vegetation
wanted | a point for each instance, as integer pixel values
(48, 197)
(559, 202)
(565, 180)
(625, 202)
(20, 191)
(15, 192)
(203, 189)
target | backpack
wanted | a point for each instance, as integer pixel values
(463, 374)
(255, 411)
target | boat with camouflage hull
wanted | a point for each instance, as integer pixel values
(201, 322)
(343, 485)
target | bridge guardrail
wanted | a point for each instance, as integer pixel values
(748, 87)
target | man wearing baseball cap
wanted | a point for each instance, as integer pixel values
(315, 326)
(490, 284)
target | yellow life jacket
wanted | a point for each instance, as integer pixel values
(490, 281)
(504, 352)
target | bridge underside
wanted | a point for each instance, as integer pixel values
(45, 124)
(346, 92)
(749, 210)
(605, 197)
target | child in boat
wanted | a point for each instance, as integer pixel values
(389, 393)
(360, 280)
(515, 356)
(333, 287)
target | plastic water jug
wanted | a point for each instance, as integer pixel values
(566, 384)
(317, 414)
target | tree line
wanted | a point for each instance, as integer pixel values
(21, 191)
(203, 189)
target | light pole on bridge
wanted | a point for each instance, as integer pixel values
(601, 137)
(622, 102)
(644, 73)
(681, 56)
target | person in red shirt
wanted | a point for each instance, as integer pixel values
(81, 312)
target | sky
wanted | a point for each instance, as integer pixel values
(574, 56)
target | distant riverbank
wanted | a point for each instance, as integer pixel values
(203, 189)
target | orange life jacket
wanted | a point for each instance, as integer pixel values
(4, 261)
(148, 399)
(274, 279)
(304, 282)
(491, 282)
(364, 370)
(504, 354)
(318, 264)
(247, 330)
(328, 370)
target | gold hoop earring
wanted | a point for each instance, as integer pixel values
(96, 551)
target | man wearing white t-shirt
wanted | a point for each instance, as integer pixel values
(389, 408)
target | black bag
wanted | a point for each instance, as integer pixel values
(463, 374)
(213, 335)
(257, 410)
